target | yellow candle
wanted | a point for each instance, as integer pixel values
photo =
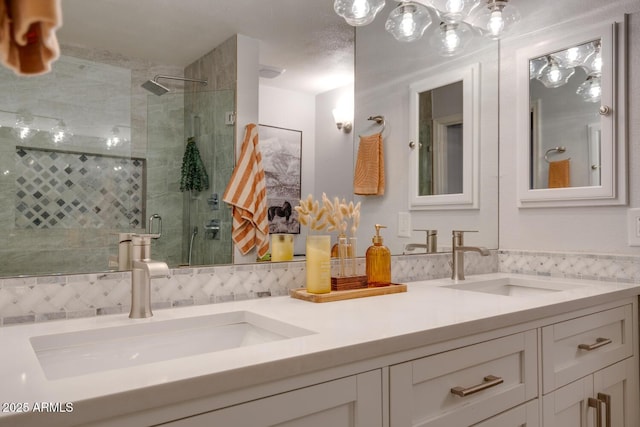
(318, 264)
(281, 247)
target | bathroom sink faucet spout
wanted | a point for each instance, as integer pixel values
(143, 270)
(457, 254)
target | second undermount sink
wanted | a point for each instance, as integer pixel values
(77, 353)
(512, 286)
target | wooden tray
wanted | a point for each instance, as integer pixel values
(301, 293)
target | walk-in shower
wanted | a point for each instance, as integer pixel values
(158, 89)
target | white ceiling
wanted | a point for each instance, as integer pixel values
(305, 37)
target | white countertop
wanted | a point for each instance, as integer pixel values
(346, 331)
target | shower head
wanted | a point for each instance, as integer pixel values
(154, 87)
(158, 89)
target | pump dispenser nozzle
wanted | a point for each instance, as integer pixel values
(377, 239)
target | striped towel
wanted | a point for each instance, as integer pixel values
(247, 195)
(368, 177)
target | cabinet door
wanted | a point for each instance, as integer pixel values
(615, 389)
(569, 405)
(348, 402)
(617, 386)
(523, 416)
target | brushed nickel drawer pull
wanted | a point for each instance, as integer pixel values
(606, 399)
(489, 381)
(597, 404)
(599, 343)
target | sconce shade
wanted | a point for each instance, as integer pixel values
(408, 21)
(554, 74)
(495, 19)
(451, 39)
(453, 11)
(590, 90)
(358, 12)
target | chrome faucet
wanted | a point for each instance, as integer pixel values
(457, 252)
(143, 269)
(431, 244)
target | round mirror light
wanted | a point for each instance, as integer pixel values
(408, 21)
(358, 12)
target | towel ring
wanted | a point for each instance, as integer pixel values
(554, 150)
(379, 120)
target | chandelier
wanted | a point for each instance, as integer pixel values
(458, 20)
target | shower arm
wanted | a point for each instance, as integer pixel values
(184, 79)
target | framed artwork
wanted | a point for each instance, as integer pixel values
(282, 162)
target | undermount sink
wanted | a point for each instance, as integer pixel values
(512, 286)
(83, 352)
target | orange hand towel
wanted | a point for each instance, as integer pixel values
(559, 174)
(369, 172)
(247, 195)
(28, 43)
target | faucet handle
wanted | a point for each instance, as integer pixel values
(463, 231)
(429, 232)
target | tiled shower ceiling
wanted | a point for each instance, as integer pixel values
(75, 190)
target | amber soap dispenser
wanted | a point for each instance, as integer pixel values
(378, 261)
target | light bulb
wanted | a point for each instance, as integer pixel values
(496, 18)
(360, 9)
(358, 12)
(496, 23)
(450, 39)
(408, 21)
(408, 25)
(455, 6)
(60, 132)
(590, 90)
(554, 75)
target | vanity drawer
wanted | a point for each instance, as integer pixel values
(581, 346)
(422, 392)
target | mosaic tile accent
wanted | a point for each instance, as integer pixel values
(603, 267)
(45, 298)
(74, 190)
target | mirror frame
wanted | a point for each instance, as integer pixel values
(613, 186)
(468, 199)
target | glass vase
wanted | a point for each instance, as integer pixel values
(318, 264)
(343, 254)
(352, 265)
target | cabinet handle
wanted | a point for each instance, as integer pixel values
(597, 404)
(489, 381)
(599, 343)
(606, 399)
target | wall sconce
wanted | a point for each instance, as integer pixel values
(115, 139)
(23, 128)
(60, 132)
(342, 118)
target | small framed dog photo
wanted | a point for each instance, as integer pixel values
(282, 162)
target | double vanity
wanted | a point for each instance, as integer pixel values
(493, 350)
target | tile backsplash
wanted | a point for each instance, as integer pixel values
(44, 298)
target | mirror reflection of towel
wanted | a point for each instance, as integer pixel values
(368, 177)
(247, 195)
(559, 174)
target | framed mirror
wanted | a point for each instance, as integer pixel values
(571, 115)
(444, 140)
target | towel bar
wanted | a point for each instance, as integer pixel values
(554, 150)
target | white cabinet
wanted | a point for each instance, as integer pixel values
(347, 402)
(608, 393)
(594, 352)
(464, 386)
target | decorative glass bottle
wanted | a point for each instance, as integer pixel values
(318, 264)
(378, 261)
